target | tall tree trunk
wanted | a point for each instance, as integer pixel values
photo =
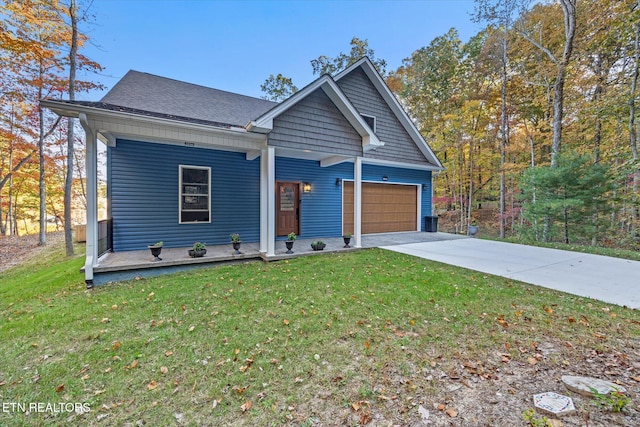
(504, 130)
(632, 118)
(68, 184)
(569, 9)
(42, 240)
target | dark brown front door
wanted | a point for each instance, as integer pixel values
(287, 208)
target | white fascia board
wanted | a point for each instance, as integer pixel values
(340, 100)
(264, 123)
(395, 106)
(370, 161)
(68, 110)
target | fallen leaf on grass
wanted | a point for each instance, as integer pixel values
(152, 385)
(134, 364)
(164, 369)
(192, 328)
(441, 407)
(60, 388)
(451, 412)
(239, 390)
(246, 406)
(286, 322)
(116, 345)
(365, 418)
(532, 361)
(168, 353)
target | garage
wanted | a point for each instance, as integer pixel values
(385, 207)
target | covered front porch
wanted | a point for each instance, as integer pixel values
(126, 265)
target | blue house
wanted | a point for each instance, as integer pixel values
(188, 163)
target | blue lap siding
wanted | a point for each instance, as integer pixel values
(143, 190)
(321, 208)
(144, 195)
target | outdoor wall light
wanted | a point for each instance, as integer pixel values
(306, 187)
(425, 187)
(385, 178)
(338, 181)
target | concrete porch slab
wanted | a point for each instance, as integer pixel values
(118, 266)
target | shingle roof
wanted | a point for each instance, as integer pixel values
(143, 92)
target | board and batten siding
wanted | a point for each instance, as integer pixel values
(398, 145)
(316, 124)
(144, 181)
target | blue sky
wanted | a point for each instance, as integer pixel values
(235, 45)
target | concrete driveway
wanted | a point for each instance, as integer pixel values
(613, 280)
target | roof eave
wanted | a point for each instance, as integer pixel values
(73, 110)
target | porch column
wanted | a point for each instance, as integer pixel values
(268, 201)
(91, 259)
(357, 202)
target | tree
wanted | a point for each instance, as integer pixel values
(73, 54)
(569, 199)
(278, 88)
(359, 49)
(562, 62)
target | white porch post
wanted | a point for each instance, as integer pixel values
(268, 201)
(264, 202)
(357, 202)
(91, 259)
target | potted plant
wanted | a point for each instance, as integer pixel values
(198, 250)
(473, 228)
(155, 249)
(347, 240)
(318, 246)
(291, 237)
(236, 242)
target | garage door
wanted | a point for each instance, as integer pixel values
(385, 207)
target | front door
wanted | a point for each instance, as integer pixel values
(287, 208)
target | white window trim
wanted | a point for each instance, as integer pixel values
(375, 121)
(180, 193)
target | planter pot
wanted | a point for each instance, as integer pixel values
(473, 229)
(236, 247)
(197, 254)
(347, 240)
(318, 247)
(155, 251)
(289, 244)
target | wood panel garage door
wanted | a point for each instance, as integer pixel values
(385, 207)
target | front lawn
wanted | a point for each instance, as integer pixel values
(369, 337)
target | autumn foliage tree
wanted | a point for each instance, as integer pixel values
(35, 38)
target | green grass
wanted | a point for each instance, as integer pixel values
(575, 247)
(302, 340)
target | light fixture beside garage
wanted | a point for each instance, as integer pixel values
(306, 187)
(338, 181)
(385, 178)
